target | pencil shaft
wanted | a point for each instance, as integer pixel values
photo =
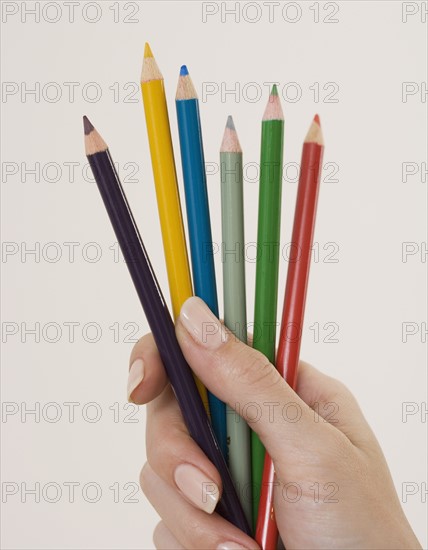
(268, 237)
(163, 330)
(299, 263)
(235, 313)
(198, 217)
(292, 315)
(233, 259)
(268, 240)
(197, 205)
(168, 199)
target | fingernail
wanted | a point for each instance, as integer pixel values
(205, 328)
(230, 546)
(197, 487)
(136, 375)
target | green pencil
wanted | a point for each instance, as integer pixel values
(235, 311)
(268, 236)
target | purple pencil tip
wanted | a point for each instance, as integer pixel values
(87, 126)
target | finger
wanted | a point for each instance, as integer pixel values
(147, 377)
(176, 458)
(334, 403)
(191, 527)
(244, 378)
(164, 539)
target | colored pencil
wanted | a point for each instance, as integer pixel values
(168, 199)
(268, 236)
(198, 218)
(234, 299)
(159, 318)
(294, 305)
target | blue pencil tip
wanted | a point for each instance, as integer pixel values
(184, 71)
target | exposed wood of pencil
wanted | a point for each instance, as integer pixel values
(230, 143)
(273, 109)
(94, 143)
(150, 69)
(314, 134)
(185, 87)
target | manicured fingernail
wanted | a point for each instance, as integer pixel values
(205, 328)
(197, 487)
(135, 377)
(230, 546)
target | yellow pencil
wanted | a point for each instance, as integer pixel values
(168, 199)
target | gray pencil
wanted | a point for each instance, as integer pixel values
(235, 311)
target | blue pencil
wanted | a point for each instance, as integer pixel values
(198, 218)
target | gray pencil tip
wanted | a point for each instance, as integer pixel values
(229, 123)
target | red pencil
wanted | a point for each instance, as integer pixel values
(294, 306)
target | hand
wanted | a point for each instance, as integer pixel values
(334, 488)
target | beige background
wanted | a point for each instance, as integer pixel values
(366, 213)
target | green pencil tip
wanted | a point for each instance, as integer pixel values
(274, 90)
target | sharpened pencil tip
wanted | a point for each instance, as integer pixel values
(230, 143)
(147, 50)
(273, 109)
(185, 87)
(87, 126)
(94, 143)
(230, 124)
(150, 70)
(314, 134)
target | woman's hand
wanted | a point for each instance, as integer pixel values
(334, 488)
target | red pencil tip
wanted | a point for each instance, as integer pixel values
(317, 120)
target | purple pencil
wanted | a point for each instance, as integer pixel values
(159, 318)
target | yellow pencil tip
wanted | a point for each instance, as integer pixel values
(147, 51)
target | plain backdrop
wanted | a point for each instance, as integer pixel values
(70, 314)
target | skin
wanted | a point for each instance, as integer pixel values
(357, 505)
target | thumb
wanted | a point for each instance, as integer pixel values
(243, 378)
